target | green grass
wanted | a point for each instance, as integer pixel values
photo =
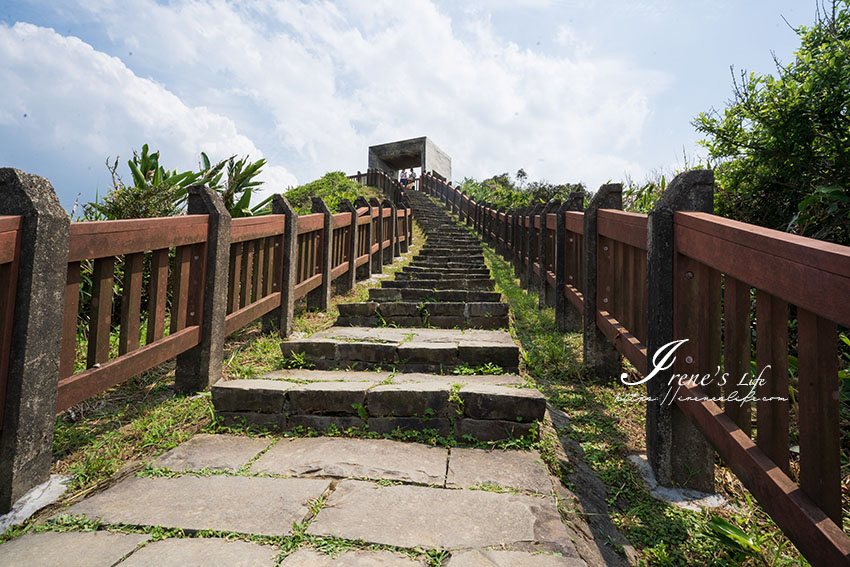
(609, 431)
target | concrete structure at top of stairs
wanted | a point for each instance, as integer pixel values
(415, 152)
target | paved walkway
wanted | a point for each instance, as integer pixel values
(233, 500)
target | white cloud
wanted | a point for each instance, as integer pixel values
(314, 84)
(69, 107)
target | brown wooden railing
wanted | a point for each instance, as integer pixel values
(10, 246)
(137, 293)
(379, 179)
(716, 268)
(101, 243)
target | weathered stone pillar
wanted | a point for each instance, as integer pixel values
(282, 317)
(350, 278)
(378, 257)
(394, 250)
(320, 298)
(517, 239)
(522, 249)
(365, 271)
(546, 296)
(600, 357)
(201, 366)
(677, 451)
(26, 440)
(567, 317)
(527, 280)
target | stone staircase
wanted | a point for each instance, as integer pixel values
(487, 408)
(446, 286)
(406, 331)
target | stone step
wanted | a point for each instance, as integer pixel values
(487, 412)
(440, 295)
(445, 272)
(409, 350)
(458, 252)
(447, 315)
(442, 283)
(444, 258)
(455, 275)
(305, 376)
(453, 265)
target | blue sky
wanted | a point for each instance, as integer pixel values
(579, 90)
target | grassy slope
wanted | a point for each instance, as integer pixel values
(609, 431)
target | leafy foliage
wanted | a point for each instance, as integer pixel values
(784, 141)
(501, 191)
(332, 187)
(155, 192)
(237, 189)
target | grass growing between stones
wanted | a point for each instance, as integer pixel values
(143, 417)
(609, 431)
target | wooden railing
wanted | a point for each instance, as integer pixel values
(715, 270)
(379, 179)
(10, 247)
(137, 293)
(100, 244)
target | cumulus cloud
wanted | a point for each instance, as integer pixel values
(314, 84)
(68, 107)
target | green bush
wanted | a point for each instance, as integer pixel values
(333, 187)
(784, 142)
(502, 191)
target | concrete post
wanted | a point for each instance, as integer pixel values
(378, 257)
(600, 357)
(26, 440)
(677, 451)
(545, 293)
(488, 224)
(504, 232)
(366, 269)
(393, 251)
(408, 220)
(200, 366)
(350, 277)
(522, 248)
(320, 298)
(516, 238)
(567, 317)
(527, 279)
(282, 317)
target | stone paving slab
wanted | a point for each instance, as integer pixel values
(378, 377)
(69, 549)
(410, 516)
(471, 337)
(296, 374)
(355, 458)
(494, 558)
(472, 379)
(266, 506)
(260, 396)
(523, 470)
(202, 552)
(481, 401)
(410, 399)
(326, 397)
(309, 558)
(223, 452)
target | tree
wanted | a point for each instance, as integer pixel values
(783, 143)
